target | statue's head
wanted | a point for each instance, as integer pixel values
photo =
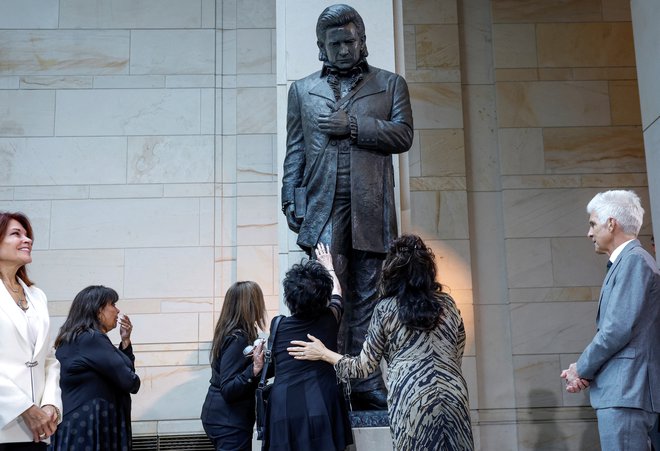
(341, 37)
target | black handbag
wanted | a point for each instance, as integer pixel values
(262, 393)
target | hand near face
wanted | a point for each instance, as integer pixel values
(125, 329)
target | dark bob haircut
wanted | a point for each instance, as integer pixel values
(84, 312)
(307, 289)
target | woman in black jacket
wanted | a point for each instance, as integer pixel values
(97, 378)
(228, 413)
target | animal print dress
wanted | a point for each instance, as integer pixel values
(427, 396)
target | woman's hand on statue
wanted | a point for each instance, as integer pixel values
(323, 256)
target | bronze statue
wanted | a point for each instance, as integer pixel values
(344, 123)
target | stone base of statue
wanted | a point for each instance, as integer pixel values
(369, 418)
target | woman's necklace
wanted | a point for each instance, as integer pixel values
(21, 301)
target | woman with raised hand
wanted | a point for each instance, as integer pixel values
(97, 378)
(417, 328)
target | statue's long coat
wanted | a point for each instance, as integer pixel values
(385, 127)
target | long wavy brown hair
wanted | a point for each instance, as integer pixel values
(244, 310)
(409, 276)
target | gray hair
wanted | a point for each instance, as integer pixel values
(622, 205)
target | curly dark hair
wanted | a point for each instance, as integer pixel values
(409, 275)
(307, 289)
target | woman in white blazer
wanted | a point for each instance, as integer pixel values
(30, 397)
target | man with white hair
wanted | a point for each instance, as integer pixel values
(621, 365)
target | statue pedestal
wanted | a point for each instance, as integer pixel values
(369, 418)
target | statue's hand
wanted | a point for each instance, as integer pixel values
(291, 220)
(335, 123)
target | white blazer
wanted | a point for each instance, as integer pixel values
(26, 377)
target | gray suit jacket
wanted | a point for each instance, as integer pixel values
(385, 127)
(623, 359)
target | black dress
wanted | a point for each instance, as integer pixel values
(306, 408)
(96, 380)
(228, 411)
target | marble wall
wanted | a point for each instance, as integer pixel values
(142, 139)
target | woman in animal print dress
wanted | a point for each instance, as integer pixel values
(418, 330)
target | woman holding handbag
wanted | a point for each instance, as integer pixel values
(228, 413)
(306, 408)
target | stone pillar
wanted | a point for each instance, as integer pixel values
(645, 17)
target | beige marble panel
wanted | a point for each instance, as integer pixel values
(537, 381)
(26, 113)
(476, 41)
(436, 105)
(433, 75)
(190, 81)
(27, 14)
(256, 220)
(565, 327)
(616, 10)
(453, 261)
(130, 14)
(255, 158)
(415, 156)
(94, 112)
(51, 192)
(62, 161)
(9, 82)
(514, 45)
(425, 12)
(125, 191)
(442, 152)
(79, 268)
(604, 73)
(526, 74)
(585, 45)
(553, 104)
(254, 51)
(531, 11)
(66, 52)
(521, 150)
(573, 435)
(624, 103)
(594, 149)
(129, 81)
(540, 181)
(55, 82)
(575, 262)
(255, 110)
(439, 214)
(170, 392)
(170, 159)
(182, 52)
(610, 180)
(480, 113)
(409, 48)
(529, 263)
(255, 14)
(437, 46)
(39, 213)
(259, 263)
(168, 273)
(541, 213)
(556, 74)
(438, 183)
(553, 294)
(133, 223)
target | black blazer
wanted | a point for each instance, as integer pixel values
(230, 398)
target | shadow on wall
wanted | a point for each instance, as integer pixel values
(549, 433)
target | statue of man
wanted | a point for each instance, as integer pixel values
(344, 123)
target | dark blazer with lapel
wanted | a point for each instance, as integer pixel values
(623, 359)
(385, 127)
(230, 400)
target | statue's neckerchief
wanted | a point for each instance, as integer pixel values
(334, 76)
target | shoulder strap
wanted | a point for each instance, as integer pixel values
(269, 354)
(344, 100)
